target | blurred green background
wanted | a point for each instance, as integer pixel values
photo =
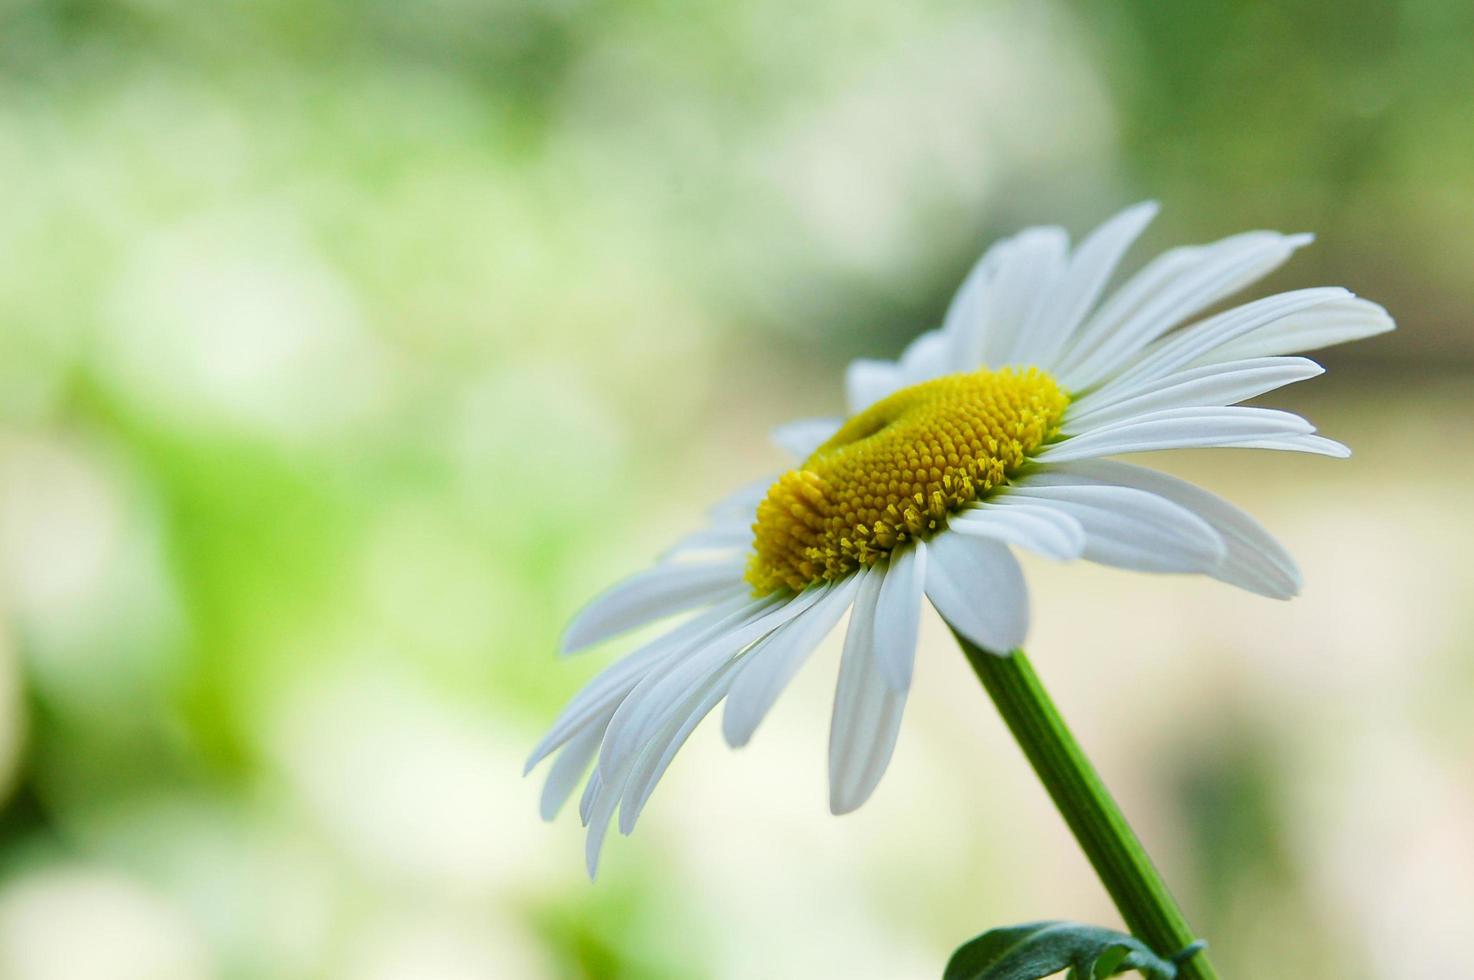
(346, 348)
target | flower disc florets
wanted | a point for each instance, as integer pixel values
(896, 470)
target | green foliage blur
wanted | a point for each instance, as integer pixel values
(345, 348)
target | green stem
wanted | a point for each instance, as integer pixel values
(1093, 816)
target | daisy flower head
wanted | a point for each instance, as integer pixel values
(989, 433)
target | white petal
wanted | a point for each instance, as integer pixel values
(716, 538)
(868, 381)
(617, 762)
(615, 682)
(653, 594)
(1049, 532)
(661, 749)
(641, 713)
(592, 791)
(1326, 325)
(867, 711)
(1303, 443)
(1090, 267)
(966, 319)
(600, 811)
(1179, 428)
(1027, 275)
(1131, 528)
(1255, 561)
(1124, 302)
(898, 615)
(630, 782)
(1213, 385)
(978, 587)
(799, 439)
(926, 357)
(571, 765)
(1221, 270)
(742, 503)
(768, 667)
(1186, 346)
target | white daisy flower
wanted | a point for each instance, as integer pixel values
(988, 434)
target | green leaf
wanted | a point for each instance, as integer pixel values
(1041, 949)
(1111, 962)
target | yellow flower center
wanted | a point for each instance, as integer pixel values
(896, 470)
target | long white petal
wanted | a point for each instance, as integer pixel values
(571, 765)
(898, 615)
(978, 587)
(671, 721)
(656, 757)
(926, 357)
(720, 537)
(643, 710)
(867, 381)
(1326, 325)
(628, 785)
(800, 438)
(1179, 428)
(741, 504)
(867, 711)
(1049, 532)
(1090, 267)
(1213, 385)
(1255, 561)
(1221, 270)
(1301, 443)
(1156, 276)
(655, 593)
(768, 667)
(598, 812)
(1131, 528)
(1184, 347)
(592, 791)
(1026, 277)
(966, 319)
(614, 683)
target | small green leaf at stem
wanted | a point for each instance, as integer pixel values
(1041, 949)
(1109, 963)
